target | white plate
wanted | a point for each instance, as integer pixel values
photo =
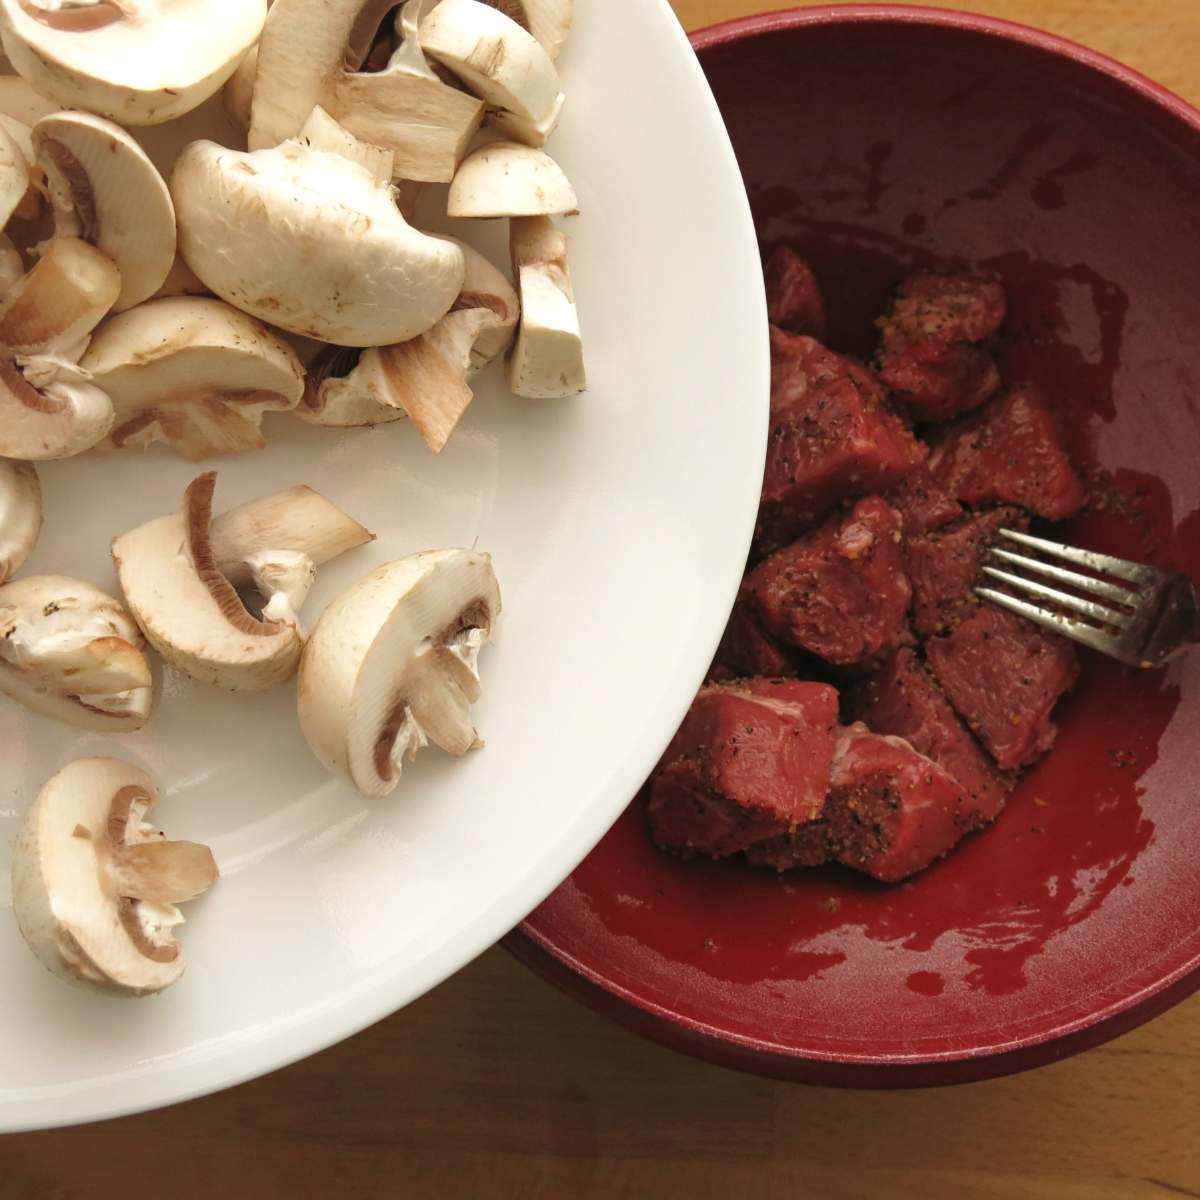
(618, 522)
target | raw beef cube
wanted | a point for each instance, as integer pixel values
(929, 357)
(794, 300)
(892, 811)
(943, 567)
(746, 649)
(832, 438)
(840, 592)
(749, 762)
(1009, 454)
(1004, 675)
(901, 699)
(807, 846)
(923, 503)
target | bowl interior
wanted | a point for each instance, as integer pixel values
(876, 144)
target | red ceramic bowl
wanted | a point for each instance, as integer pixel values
(878, 139)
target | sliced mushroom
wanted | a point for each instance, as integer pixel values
(70, 651)
(322, 132)
(48, 406)
(310, 242)
(140, 62)
(238, 94)
(95, 886)
(19, 103)
(20, 514)
(14, 176)
(392, 665)
(307, 58)
(191, 612)
(498, 61)
(426, 378)
(104, 189)
(510, 179)
(548, 20)
(546, 362)
(194, 373)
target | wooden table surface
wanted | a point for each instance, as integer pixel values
(494, 1086)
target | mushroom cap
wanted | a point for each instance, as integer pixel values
(190, 612)
(71, 652)
(510, 179)
(391, 664)
(548, 20)
(139, 66)
(193, 372)
(82, 849)
(310, 242)
(238, 93)
(21, 103)
(20, 514)
(62, 416)
(106, 190)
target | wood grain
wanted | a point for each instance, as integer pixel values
(494, 1086)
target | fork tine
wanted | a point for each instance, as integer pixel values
(1098, 612)
(1085, 583)
(1089, 635)
(1122, 568)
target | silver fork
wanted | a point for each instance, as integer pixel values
(1127, 610)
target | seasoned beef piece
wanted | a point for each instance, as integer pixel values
(794, 300)
(929, 357)
(943, 567)
(832, 438)
(890, 812)
(923, 503)
(750, 761)
(1009, 454)
(746, 649)
(840, 592)
(901, 699)
(1004, 675)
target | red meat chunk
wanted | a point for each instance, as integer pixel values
(750, 761)
(929, 357)
(923, 502)
(832, 438)
(1004, 675)
(901, 699)
(943, 567)
(1009, 454)
(841, 592)
(746, 649)
(890, 812)
(794, 300)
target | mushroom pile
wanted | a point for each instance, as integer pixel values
(287, 274)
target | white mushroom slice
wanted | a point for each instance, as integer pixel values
(104, 189)
(522, 129)
(140, 62)
(70, 651)
(349, 387)
(238, 93)
(548, 20)
(11, 265)
(322, 132)
(546, 362)
(194, 373)
(310, 242)
(391, 665)
(20, 514)
(191, 612)
(14, 176)
(509, 179)
(95, 886)
(498, 61)
(21, 104)
(303, 62)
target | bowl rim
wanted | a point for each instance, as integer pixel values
(1152, 991)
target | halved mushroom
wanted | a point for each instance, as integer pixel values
(510, 179)
(498, 61)
(48, 406)
(427, 378)
(548, 20)
(20, 514)
(311, 242)
(104, 189)
(194, 373)
(170, 571)
(303, 62)
(95, 886)
(70, 651)
(140, 62)
(546, 362)
(392, 665)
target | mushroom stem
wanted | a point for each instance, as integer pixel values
(160, 872)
